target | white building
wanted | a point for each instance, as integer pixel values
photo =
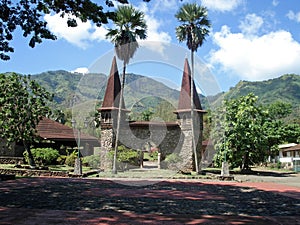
(289, 154)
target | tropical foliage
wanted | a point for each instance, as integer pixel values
(126, 157)
(193, 29)
(23, 104)
(43, 156)
(130, 25)
(246, 133)
(195, 24)
(28, 16)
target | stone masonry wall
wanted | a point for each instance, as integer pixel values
(169, 139)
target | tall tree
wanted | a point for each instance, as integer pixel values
(23, 103)
(130, 26)
(238, 132)
(274, 126)
(28, 15)
(194, 29)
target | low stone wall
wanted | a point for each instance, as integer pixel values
(11, 160)
(34, 173)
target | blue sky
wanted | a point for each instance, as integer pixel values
(249, 40)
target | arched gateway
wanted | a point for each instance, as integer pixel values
(170, 137)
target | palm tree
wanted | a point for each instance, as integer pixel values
(194, 29)
(130, 25)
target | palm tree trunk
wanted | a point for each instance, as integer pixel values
(114, 171)
(194, 145)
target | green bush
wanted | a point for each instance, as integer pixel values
(125, 156)
(61, 160)
(70, 159)
(173, 158)
(92, 161)
(43, 156)
(153, 156)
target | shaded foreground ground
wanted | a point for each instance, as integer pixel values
(101, 201)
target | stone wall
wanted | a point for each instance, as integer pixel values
(11, 160)
(165, 138)
(168, 138)
(36, 173)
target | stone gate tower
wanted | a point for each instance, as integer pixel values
(110, 105)
(184, 118)
(178, 134)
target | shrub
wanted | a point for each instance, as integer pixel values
(43, 156)
(153, 156)
(92, 161)
(125, 156)
(173, 158)
(172, 161)
(70, 159)
(61, 160)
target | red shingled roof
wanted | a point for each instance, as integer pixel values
(52, 130)
(184, 103)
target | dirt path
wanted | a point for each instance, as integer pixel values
(284, 178)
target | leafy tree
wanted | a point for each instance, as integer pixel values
(291, 133)
(279, 110)
(28, 15)
(23, 104)
(237, 132)
(273, 128)
(130, 25)
(43, 156)
(146, 115)
(207, 120)
(193, 30)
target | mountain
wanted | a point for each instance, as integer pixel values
(64, 85)
(285, 88)
(142, 93)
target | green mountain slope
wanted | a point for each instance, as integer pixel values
(64, 85)
(285, 88)
(142, 93)
(139, 90)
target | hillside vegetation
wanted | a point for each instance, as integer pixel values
(142, 93)
(285, 88)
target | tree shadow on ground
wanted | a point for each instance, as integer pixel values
(255, 172)
(189, 201)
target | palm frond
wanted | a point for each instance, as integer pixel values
(130, 26)
(195, 24)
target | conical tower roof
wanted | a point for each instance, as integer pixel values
(113, 89)
(184, 103)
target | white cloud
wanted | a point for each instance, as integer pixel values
(85, 33)
(294, 16)
(82, 70)
(164, 5)
(81, 35)
(251, 24)
(221, 5)
(275, 3)
(156, 39)
(256, 57)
